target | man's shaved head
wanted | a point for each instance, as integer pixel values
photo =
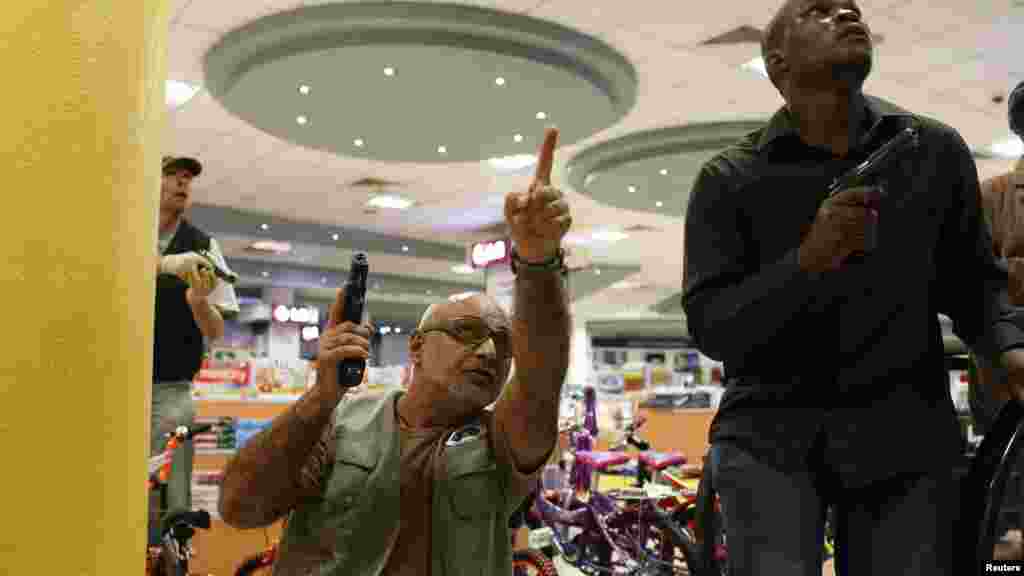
(774, 35)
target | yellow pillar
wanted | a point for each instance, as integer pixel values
(80, 150)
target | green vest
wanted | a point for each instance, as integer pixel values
(350, 529)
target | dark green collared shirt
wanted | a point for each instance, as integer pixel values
(851, 360)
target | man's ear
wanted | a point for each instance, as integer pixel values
(776, 66)
(416, 348)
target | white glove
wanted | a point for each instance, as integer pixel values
(183, 265)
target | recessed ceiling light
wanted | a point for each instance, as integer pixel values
(405, 248)
(388, 201)
(518, 137)
(304, 89)
(756, 65)
(264, 226)
(541, 115)
(442, 149)
(659, 204)
(463, 269)
(302, 120)
(176, 93)
(663, 171)
(632, 188)
(389, 71)
(335, 236)
(358, 142)
(499, 81)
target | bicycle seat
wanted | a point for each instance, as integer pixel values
(661, 460)
(603, 460)
(184, 522)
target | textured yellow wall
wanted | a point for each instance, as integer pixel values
(80, 148)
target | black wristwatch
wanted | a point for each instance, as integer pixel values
(556, 262)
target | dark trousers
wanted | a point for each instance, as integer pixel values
(774, 521)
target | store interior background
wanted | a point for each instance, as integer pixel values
(405, 152)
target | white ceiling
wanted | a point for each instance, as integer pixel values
(942, 58)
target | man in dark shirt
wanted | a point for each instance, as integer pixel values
(824, 311)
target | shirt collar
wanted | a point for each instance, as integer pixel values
(781, 124)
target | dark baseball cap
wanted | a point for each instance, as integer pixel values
(1016, 110)
(175, 162)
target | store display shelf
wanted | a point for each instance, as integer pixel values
(217, 452)
(282, 399)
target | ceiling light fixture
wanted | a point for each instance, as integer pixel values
(442, 149)
(513, 163)
(499, 81)
(388, 201)
(177, 94)
(541, 116)
(756, 65)
(358, 142)
(389, 71)
(302, 120)
(1009, 148)
(463, 269)
(518, 137)
(610, 236)
(271, 246)
(304, 89)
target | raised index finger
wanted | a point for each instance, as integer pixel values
(546, 157)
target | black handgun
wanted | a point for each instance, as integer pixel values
(861, 174)
(350, 372)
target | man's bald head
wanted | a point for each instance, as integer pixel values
(465, 304)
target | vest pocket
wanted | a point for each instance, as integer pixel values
(475, 500)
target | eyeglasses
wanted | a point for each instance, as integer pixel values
(471, 332)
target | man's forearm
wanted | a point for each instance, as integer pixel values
(207, 317)
(728, 322)
(262, 482)
(541, 332)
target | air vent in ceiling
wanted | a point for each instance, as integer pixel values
(370, 182)
(637, 228)
(741, 35)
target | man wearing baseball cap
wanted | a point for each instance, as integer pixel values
(191, 302)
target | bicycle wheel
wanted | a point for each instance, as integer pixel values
(531, 563)
(672, 549)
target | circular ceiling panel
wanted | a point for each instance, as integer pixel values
(653, 170)
(417, 82)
